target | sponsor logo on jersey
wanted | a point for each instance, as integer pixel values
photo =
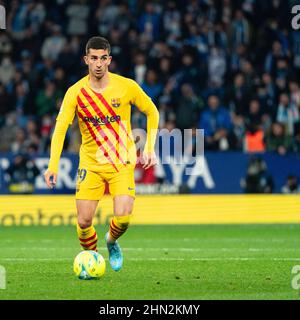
(102, 120)
(116, 102)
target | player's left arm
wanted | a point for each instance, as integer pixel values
(145, 105)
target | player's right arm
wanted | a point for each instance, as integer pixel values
(63, 120)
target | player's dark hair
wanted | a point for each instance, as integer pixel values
(97, 43)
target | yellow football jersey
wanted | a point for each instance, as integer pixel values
(104, 122)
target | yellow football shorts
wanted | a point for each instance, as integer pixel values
(90, 185)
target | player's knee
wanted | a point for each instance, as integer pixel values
(84, 223)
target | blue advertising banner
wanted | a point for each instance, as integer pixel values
(214, 173)
(223, 173)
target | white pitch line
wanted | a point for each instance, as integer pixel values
(229, 239)
(161, 259)
(163, 249)
(272, 240)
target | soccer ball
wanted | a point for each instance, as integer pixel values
(89, 264)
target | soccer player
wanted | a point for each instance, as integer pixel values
(102, 102)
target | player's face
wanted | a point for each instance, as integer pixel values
(98, 61)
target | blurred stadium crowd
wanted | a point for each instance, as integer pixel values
(231, 68)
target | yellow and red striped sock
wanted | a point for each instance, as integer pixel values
(118, 226)
(87, 237)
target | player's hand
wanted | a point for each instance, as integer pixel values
(50, 178)
(149, 160)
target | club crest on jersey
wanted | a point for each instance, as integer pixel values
(116, 102)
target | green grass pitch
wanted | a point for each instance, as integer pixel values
(161, 262)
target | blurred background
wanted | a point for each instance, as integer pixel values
(231, 68)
